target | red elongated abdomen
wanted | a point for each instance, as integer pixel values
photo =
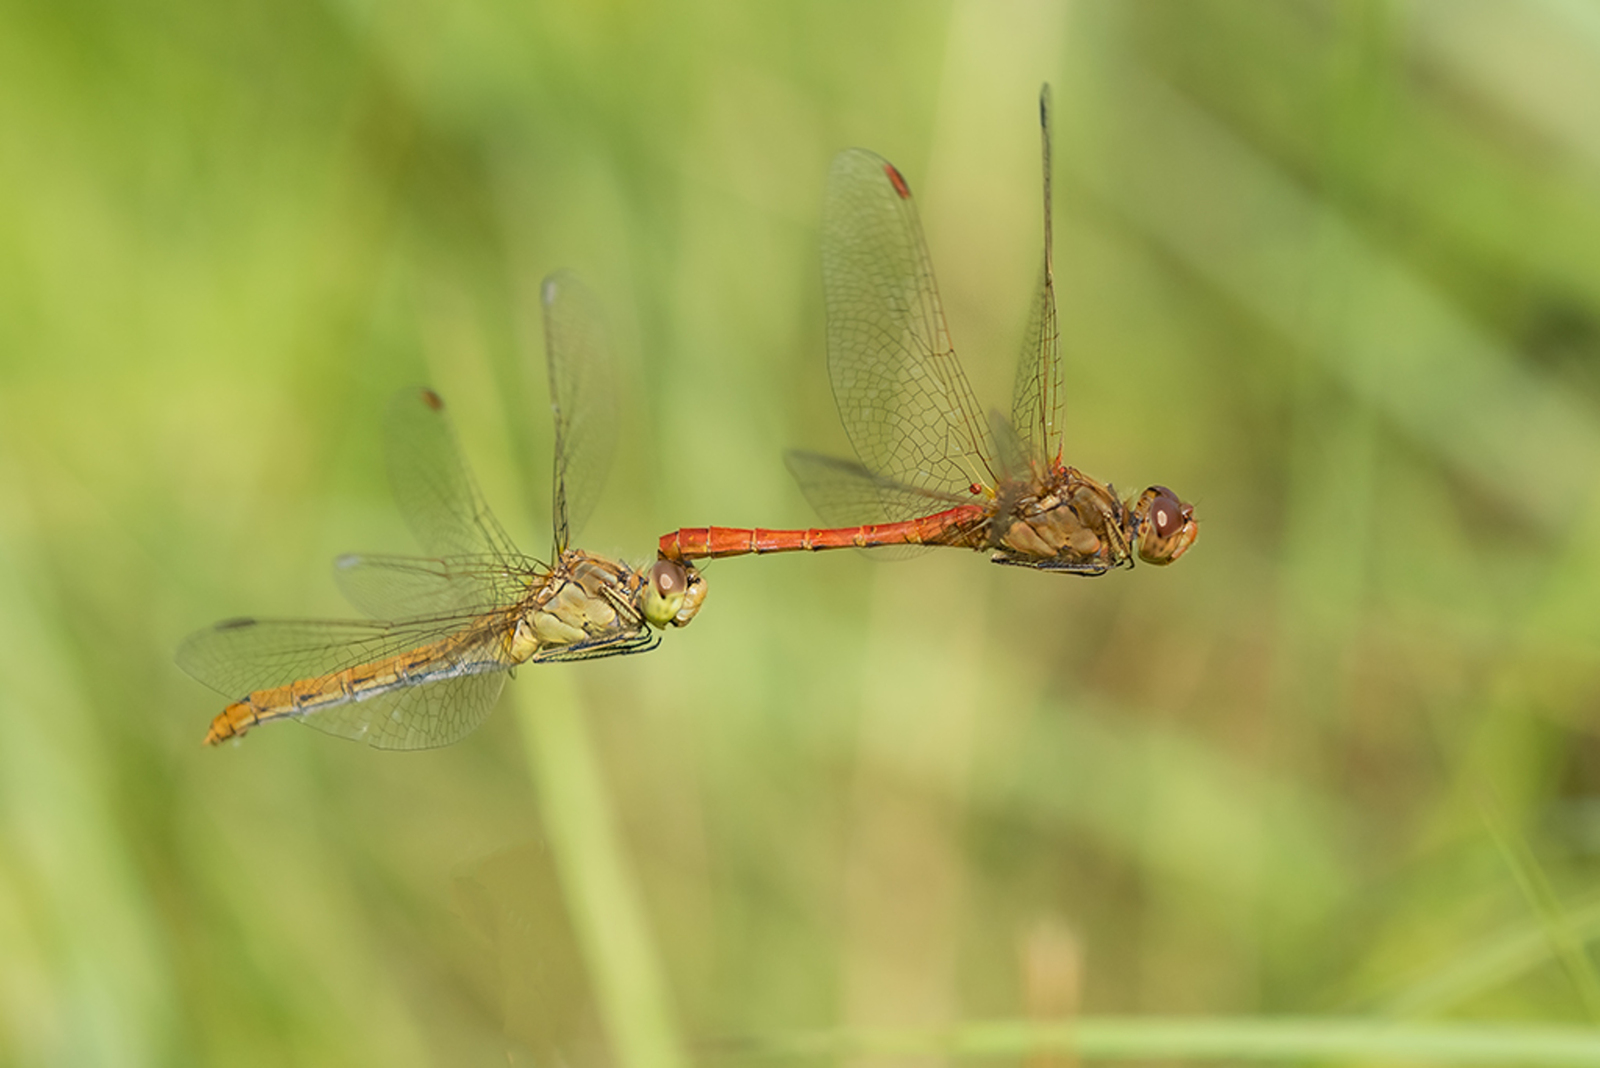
(962, 526)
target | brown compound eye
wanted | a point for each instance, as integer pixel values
(1163, 526)
(1166, 512)
(668, 578)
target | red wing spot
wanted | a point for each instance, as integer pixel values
(975, 488)
(433, 400)
(897, 181)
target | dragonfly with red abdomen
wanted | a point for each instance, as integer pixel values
(446, 630)
(929, 469)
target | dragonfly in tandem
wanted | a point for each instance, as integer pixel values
(445, 630)
(930, 469)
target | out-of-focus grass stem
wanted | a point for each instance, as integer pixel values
(1496, 962)
(602, 896)
(1296, 1039)
(1536, 888)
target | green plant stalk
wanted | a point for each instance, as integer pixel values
(1250, 1039)
(1531, 880)
(1494, 963)
(601, 893)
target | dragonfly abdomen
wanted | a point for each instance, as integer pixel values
(955, 526)
(363, 682)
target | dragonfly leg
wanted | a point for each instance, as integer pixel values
(616, 644)
(1088, 568)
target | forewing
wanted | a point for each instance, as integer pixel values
(433, 486)
(1013, 454)
(398, 587)
(1036, 398)
(583, 398)
(902, 395)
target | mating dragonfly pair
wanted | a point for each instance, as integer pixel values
(446, 630)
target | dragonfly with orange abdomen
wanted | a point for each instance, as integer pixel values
(446, 630)
(930, 469)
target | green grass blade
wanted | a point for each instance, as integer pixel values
(601, 893)
(1566, 945)
(1495, 963)
(1223, 1038)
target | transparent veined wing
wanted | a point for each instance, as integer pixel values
(902, 395)
(1036, 397)
(418, 717)
(845, 493)
(583, 398)
(398, 587)
(432, 483)
(454, 668)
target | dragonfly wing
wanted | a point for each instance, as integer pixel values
(432, 484)
(241, 656)
(583, 398)
(454, 689)
(846, 493)
(399, 587)
(1036, 398)
(901, 392)
(1013, 453)
(439, 713)
(417, 717)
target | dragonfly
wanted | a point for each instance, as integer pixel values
(930, 469)
(444, 631)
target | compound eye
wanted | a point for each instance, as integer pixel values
(1166, 512)
(667, 578)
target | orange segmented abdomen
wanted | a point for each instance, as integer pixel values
(233, 722)
(305, 696)
(961, 526)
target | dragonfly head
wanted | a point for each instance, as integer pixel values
(1163, 526)
(672, 593)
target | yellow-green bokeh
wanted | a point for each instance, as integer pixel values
(1330, 270)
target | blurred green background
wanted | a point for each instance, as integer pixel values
(1331, 270)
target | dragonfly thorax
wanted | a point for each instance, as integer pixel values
(1072, 524)
(587, 598)
(583, 598)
